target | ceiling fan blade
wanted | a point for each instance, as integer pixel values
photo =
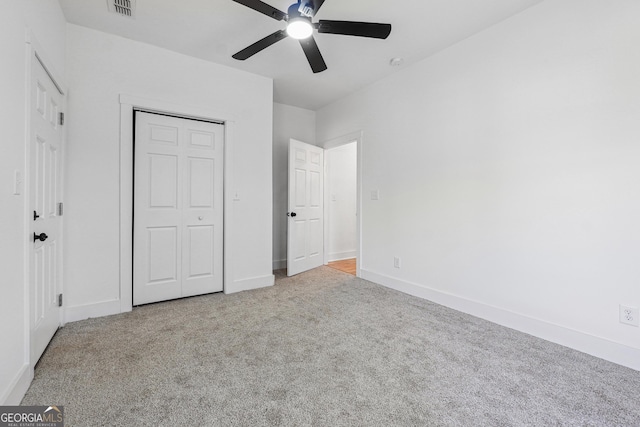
(313, 54)
(351, 28)
(264, 43)
(262, 7)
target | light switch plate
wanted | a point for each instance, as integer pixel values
(375, 195)
(17, 183)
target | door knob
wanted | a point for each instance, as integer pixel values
(291, 214)
(35, 215)
(42, 237)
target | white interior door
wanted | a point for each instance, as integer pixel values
(305, 231)
(45, 177)
(178, 212)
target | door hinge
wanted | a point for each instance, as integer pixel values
(61, 119)
(59, 300)
(60, 209)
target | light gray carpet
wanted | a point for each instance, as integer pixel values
(324, 349)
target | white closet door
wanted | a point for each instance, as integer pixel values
(177, 208)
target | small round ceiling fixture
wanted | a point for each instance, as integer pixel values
(299, 28)
(396, 62)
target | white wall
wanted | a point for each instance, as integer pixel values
(47, 25)
(100, 67)
(508, 171)
(288, 122)
(341, 166)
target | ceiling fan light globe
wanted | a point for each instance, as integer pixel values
(299, 29)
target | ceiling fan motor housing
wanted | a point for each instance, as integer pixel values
(299, 26)
(306, 9)
(300, 10)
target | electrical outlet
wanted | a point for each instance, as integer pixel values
(629, 315)
(396, 262)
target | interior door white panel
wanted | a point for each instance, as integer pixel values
(300, 188)
(315, 188)
(315, 238)
(305, 230)
(200, 251)
(52, 192)
(177, 208)
(163, 134)
(298, 250)
(163, 181)
(163, 254)
(201, 183)
(202, 139)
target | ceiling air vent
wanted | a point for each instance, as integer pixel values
(123, 7)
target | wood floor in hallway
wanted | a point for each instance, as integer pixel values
(346, 265)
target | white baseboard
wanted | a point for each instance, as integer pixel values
(99, 309)
(251, 283)
(279, 264)
(107, 308)
(13, 395)
(339, 256)
(581, 341)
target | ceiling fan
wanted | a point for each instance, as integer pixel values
(299, 26)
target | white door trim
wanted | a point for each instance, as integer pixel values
(128, 104)
(327, 145)
(33, 46)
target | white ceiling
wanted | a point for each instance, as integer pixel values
(214, 30)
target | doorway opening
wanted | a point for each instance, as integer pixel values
(312, 189)
(343, 203)
(341, 218)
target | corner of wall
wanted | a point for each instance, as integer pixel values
(18, 387)
(279, 264)
(87, 311)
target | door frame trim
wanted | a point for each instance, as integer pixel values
(129, 103)
(328, 145)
